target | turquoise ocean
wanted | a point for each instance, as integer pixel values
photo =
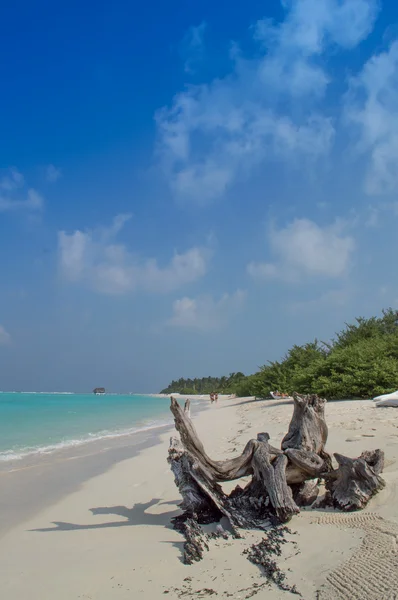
(39, 423)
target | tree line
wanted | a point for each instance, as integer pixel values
(360, 362)
(205, 385)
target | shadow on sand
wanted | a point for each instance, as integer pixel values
(239, 403)
(258, 400)
(131, 517)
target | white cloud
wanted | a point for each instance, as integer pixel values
(373, 217)
(332, 299)
(94, 258)
(5, 337)
(53, 174)
(32, 202)
(73, 249)
(311, 24)
(214, 134)
(117, 225)
(262, 270)
(205, 313)
(192, 47)
(12, 181)
(14, 196)
(372, 108)
(304, 248)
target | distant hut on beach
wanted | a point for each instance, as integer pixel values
(98, 391)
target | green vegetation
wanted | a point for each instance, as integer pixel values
(361, 362)
(206, 385)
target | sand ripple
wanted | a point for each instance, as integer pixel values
(372, 571)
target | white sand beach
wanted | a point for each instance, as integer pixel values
(107, 535)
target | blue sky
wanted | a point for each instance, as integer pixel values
(188, 190)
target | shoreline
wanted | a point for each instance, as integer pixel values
(25, 477)
(60, 474)
(109, 537)
(28, 454)
(32, 456)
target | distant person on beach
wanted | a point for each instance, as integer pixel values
(212, 397)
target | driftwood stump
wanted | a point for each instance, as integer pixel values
(356, 480)
(281, 480)
(307, 430)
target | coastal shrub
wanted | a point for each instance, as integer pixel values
(361, 362)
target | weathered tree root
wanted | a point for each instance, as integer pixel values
(356, 480)
(281, 480)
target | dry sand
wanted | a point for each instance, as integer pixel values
(109, 538)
